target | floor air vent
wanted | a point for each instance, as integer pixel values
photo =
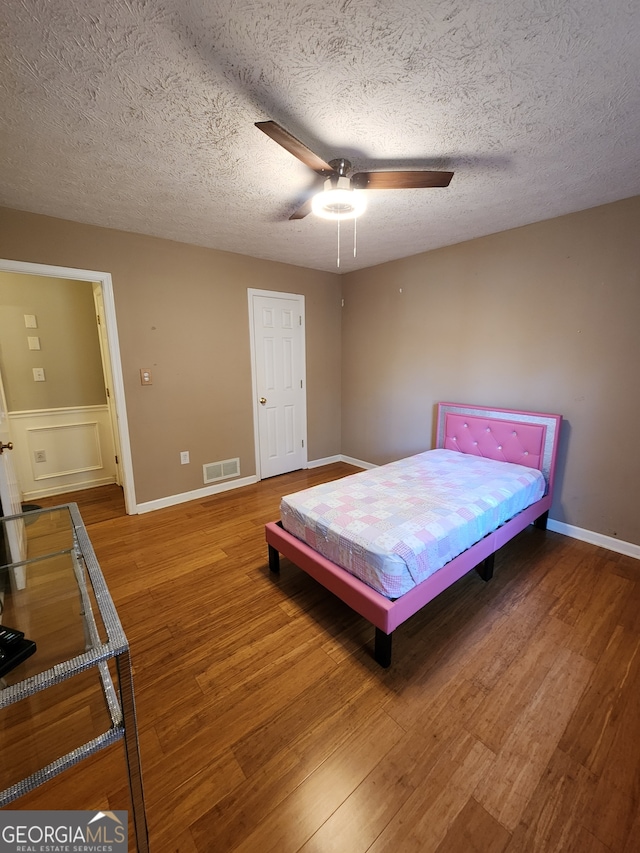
(214, 471)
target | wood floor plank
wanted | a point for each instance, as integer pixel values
(474, 830)
(595, 724)
(574, 589)
(513, 693)
(231, 819)
(523, 757)
(184, 803)
(324, 790)
(325, 699)
(633, 839)
(439, 667)
(422, 822)
(553, 819)
(369, 810)
(601, 608)
(232, 716)
(617, 799)
(280, 773)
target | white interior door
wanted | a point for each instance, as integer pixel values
(15, 538)
(278, 348)
(108, 378)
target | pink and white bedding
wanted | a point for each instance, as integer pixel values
(394, 526)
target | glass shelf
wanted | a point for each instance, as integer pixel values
(74, 695)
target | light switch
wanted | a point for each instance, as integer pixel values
(34, 343)
(30, 321)
(145, 376)
(38, 374)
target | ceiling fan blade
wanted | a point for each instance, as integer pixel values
(294, 146)
(303, 210)
(400, 180)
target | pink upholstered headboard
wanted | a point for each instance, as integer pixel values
(526, 438)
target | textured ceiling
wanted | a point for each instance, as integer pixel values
(139, 115)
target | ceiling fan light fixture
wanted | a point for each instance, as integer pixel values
(338, 200)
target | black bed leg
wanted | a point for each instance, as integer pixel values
(541, 523)
(485, 569)
(274, 560)
(382, 649)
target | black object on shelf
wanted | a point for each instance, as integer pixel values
(14, 648)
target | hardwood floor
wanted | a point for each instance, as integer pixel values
(100, 504)
(508, 721)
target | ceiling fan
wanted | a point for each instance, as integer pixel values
(338, 201)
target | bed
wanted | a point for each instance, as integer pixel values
(354, 547)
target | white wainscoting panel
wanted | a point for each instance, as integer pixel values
(62, 450)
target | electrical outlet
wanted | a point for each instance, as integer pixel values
(38, 374)
(184, 457)
(40, 456)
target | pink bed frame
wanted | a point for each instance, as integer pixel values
(527, 438)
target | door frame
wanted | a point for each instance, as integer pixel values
(103, 339)
(275, 294)
(103, 279)
(15, 538)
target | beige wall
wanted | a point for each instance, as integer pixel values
(183, 312)
(69, 348)
(544, 317)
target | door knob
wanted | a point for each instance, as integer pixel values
(263, 400)
(8, 445)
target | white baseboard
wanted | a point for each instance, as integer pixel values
(357, 462)
(34, 494)
(599, 539)
(196, 494)
(608, 542)
(328, 460)
(207, 491)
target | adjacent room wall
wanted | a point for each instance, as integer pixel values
(183, 312)
(60, 425)
(68, 338)
(543, 317)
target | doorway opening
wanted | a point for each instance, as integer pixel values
(110, 354)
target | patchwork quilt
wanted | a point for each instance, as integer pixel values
(394, 526)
